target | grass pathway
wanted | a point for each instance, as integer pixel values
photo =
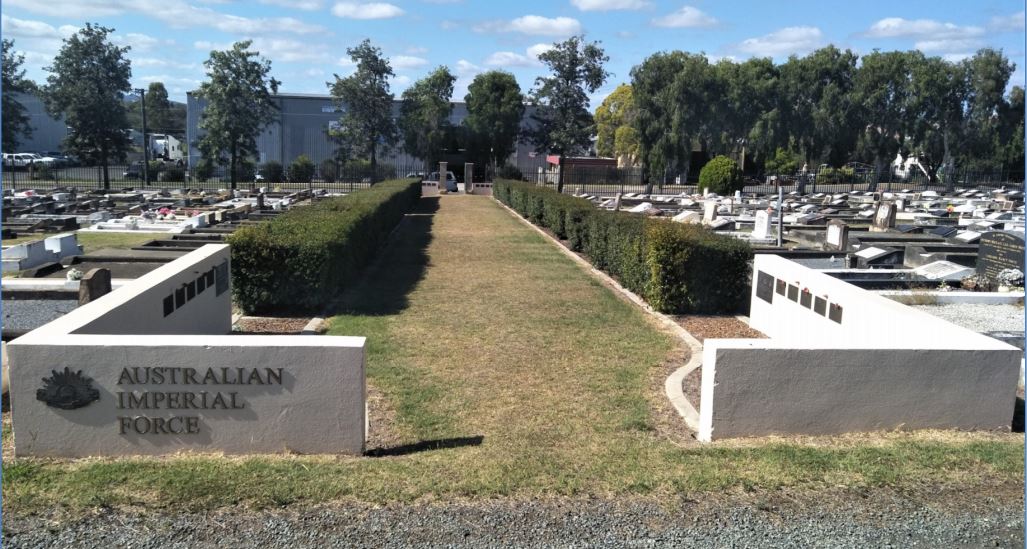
(511, 372)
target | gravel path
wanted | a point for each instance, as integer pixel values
(979, 318)
(875, 521)
(29, 314)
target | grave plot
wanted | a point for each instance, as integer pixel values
(841, 359)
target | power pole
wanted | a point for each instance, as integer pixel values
(146, 143)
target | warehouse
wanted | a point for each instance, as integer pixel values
(302, 128)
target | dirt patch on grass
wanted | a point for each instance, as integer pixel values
(383, 432)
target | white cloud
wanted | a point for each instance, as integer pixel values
(370, 10)
(607, 5)
(1007, 23)
(22, 28)
(402, 62)
(401, 81)
(178, 14)
(278, 50)
(897, 27)
(512, 59)
(534, 25)
(956, 57)
(508, 59)
(466, 68)
(950, 45)
(346, 62)
(783, 42)
(145, 62)
(539, 49)
(686, 17)
(417, 50)
(305, 5)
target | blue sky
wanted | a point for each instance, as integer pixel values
(306, 40)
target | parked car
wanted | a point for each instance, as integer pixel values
(24, 160)
(419, 175)
(134, 171)
(450, 180)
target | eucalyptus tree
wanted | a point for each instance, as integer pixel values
(495, 108)
(14, 116)
(367, 123)
(424, 115)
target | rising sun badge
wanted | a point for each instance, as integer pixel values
(67, 390)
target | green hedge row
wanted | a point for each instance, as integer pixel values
(307, 256)
(677, 268)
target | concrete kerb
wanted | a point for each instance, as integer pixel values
(672, 387)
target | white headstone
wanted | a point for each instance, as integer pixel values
(762, 228)
(709, 212)
(688, 217)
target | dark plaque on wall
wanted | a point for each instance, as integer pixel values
(999, 250)
(793, 292)
(806, 299)
(221, 278)
(820, 306)
(781, 286)
(765, 286)
(835, 313)
(67, 390)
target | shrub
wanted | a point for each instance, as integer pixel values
(245, 171)
(329, 169)
(677, 268)
(273, 172)
(784, 162)
(721, 175)
(306, 257)
(510, 172)
(836, 175)
(173, 172)
(42, 171)
(204, 170)
(301, 170)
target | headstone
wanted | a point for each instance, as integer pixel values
(873, 256)
(721, 224)
(1000, 250)
(95, 283)
(944, 231)
(762, 228)
(837, 235)
(688, 217)
(943, 270)
(443, 168)
(884, 217)
(616, 203)
(709, 212)
(968, 237)
(469, 177)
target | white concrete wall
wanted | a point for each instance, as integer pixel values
(884, 366)
(319, 405)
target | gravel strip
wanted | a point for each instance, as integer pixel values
(29, 314)
(876, 521)
(270, 325)
(717, 327)
(977, 317)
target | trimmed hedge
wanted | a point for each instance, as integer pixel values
(306, 257)
(677, 268)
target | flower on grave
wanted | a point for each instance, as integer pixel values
(1010, 277)
(74, 274)
(975, 282)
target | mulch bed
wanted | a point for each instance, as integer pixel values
(715, 327)
(270, 325)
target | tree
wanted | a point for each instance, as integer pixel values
(87, 84)
(424, 115)
(615, 135)
(366, 123)
(884, 95)
(162, 115)
(748, 99)
(940, 91)
(495, 107)
(240, 105)
(817, 103)
(988, 73)
(15, 120)
(563, 123)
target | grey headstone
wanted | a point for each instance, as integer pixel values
(94, 284)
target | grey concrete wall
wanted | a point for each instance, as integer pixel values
(317, 408)
(314, 403)
(762, 390)
(47, 132)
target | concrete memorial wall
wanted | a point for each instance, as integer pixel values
(842, 359)
(151, 368)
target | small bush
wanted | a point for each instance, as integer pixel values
(510, 172)
(173, 172)
(273, 172)
(204, 170)
(721, 175)
(784, 162)
(836, 175)
(309, 255)
(677, 268)
(245, 171)
(301, 170)
(329, 170)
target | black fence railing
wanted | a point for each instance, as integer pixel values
(603, 180)
(169, 176)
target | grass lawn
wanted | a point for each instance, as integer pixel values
(510, 372)
(92, 241)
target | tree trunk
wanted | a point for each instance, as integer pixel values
(106, 173)
(880, 168)
(559, 176)
(231, 166)
(948, 165)
(374, 163)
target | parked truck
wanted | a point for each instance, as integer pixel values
(165, 147)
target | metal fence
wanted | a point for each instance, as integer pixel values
(169, 176)
(610, 181)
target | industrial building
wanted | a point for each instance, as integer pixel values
(302, 128)
(47, 132)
